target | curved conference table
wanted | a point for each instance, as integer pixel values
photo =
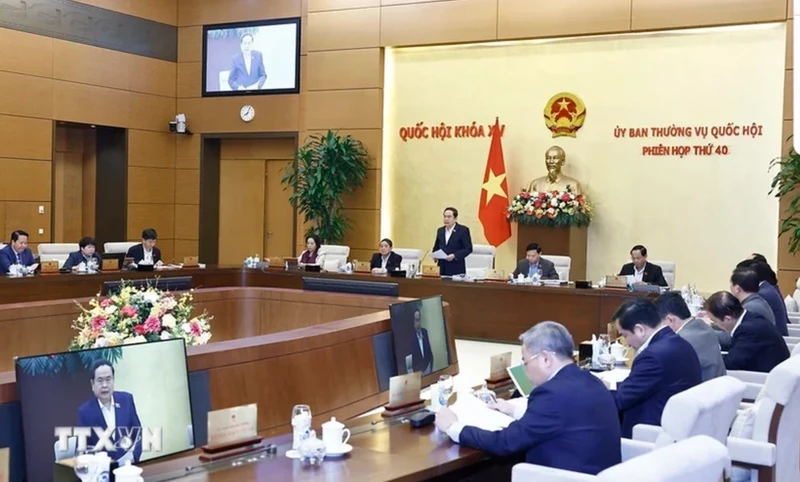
(277, 345)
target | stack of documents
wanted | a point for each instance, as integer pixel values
(471, 411)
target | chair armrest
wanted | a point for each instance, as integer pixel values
(635, 448)
(793, 330)
(749, 377)
(751, 452)
(646, 433)
(537, 473)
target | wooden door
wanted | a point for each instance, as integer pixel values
(279, 233)
(241, 209)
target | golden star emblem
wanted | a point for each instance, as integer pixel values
(493, 186)
(564, 103)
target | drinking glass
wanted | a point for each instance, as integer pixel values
(605, 342)
(85, 465)
(445, 389)
(301, 423)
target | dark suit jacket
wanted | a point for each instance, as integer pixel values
(460, 245)
(756, 346)
(137, 253)
(668, 365)
(90, 415)
(547, 267)
(77, 258)
(238, 74)
(774, 299)
(422, 361)
(392, 263)
(8, 258)
(571, 424)
(652, 273)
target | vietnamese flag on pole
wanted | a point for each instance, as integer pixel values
(494, 194)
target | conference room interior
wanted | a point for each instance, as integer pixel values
(87, 149)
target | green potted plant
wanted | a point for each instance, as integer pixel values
(786, 183)
(326, 167)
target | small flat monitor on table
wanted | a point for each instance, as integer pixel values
(419, 335)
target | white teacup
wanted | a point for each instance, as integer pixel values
(128, 473)
(619, 351)
(334, 435)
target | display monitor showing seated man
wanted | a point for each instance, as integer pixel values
(419, 333)
(133, 394)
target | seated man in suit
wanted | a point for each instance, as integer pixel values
(146, 253)
(768, 289)
(569, 421)
(744, 286)
(421, 353)
(16, 252)
(756, 345)
(86, 253)
(534, 263)
(674, 313)
(454, 239)
(642, 270)
(111, 409)
(385, 259)
(665, 364)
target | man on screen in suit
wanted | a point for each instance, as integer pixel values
(534, 262)
(146, 253)
(111, 409)
(642, 270)
(16, 252)
(421, 353)
(674, 313)
(569, 421)
(456, 242)
(665, 364)
(247, 70)
(756, 345)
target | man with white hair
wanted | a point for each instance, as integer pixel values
(570, 421)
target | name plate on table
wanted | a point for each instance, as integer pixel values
(362, 267)
(404, 389)
(4, 458)
(498, 365)
(190, 261)
(232, 424)
(428, 270)
(49, 266)
(110, 264)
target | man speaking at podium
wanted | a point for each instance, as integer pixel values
(110, 409)
(454, 239)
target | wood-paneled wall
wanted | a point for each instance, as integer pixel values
(44, 79)
(788, 264)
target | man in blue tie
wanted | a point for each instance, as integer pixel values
(569, 421)
(16, 252)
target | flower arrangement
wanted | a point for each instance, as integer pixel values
(554, 208)
(138, 315)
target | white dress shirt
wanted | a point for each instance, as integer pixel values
(638, 275)
(520, 407)
(649, 338)
(738, 322)
(248, 59)
(148, 257)
(448, 233)
(384, 260)
(109, 413)
(419, 340)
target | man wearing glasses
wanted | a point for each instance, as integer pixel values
(570, 421)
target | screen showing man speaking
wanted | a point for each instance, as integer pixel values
(419, 334)
(252, 58)
(131, 401)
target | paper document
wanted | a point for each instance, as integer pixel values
(439, 254)
(473, 412)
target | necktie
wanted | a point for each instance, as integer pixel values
(19, 261)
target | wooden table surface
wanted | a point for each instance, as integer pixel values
(493, 311)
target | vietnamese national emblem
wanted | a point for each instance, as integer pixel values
(564, 114)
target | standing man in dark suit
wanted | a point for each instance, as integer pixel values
(421, 353)
(146, 253)
(674, 313)
(111, 409)
(665, 364)
(16, 252)
(534, 262)
(86, 253)
(454, 239)
(247, 70)
(569, 421)
(756, 345)
(641, 270)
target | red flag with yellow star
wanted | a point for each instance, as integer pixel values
(494, 194)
